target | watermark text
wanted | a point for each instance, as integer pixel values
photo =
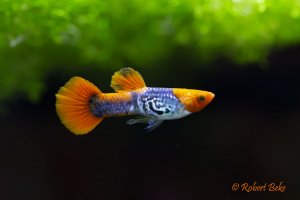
(259, 187)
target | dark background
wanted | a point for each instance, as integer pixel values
(249, 132)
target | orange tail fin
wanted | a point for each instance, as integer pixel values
(73, 107)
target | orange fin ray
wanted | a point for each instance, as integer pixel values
(127, 79)
(73, 106)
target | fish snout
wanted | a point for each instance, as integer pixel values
(211, 95)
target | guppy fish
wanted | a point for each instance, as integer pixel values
(81, 106)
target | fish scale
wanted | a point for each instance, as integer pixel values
(160, 103)
(106, 108)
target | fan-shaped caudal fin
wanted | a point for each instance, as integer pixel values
(73, 107)
(127, 79)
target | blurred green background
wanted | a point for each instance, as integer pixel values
(246, 52)
(44, 37)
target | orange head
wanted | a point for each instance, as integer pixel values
(193, 100)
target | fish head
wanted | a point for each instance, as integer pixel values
(193, 100)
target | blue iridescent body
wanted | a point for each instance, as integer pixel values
(111, 108)
(159, 103)
(154, 104)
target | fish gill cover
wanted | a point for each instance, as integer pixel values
(42, 37)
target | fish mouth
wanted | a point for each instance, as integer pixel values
(211, 96)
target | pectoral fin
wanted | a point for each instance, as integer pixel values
(152, 123)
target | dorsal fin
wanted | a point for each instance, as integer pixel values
(127, 79)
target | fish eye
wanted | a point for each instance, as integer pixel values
(201, 98)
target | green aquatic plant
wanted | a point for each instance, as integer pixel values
(42, 37)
